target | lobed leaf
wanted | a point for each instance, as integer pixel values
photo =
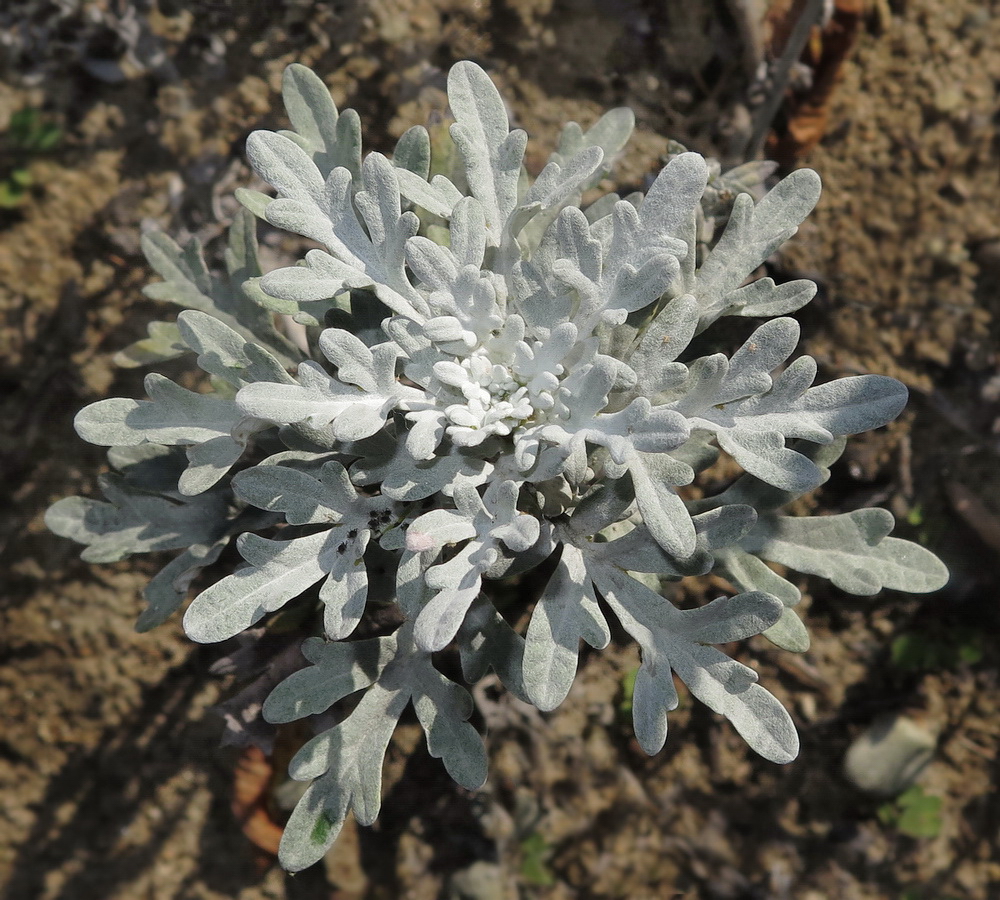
(280, 570)
(173, 416)
(566, 612)
(332, 139)
(675, 639)
(336, 670)
(346, 762)
(851, 550)
(492, 154)
(751, 236)
(443, 709)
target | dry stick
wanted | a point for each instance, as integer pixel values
(793, 50)
(975, 513)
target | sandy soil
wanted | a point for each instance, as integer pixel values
(113, 782)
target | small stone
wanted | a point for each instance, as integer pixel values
(480, 881)
(889, 755)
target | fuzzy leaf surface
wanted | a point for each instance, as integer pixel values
(673, 639)
(852, 550)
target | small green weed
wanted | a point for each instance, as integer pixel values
(913, 813)
(919, 651)
(628, 689)
(27, 136)
(534, 861)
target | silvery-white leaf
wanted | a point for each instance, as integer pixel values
(354, 361)
(764, 454)
(208, 463)
(357, 255)
(663, 511)
(753, 430)
(333, 139)
(749, 573)
(254, 202)
(724, 526)
(435, 266)
(319, 400)
(664, 339)
(762, 496)
(412, 592)
(750, 367)
(566, 612)
(188, 282)
(303, 498)
(438, 196)
(406, 479)
(336, 670)
(607, 505)
(672, 197)
(286, 307)
(425, 434)
(439, 527)
(610, 133)
(167, 590)
(637, 551)
(513, 563)
(226, 353)
(852, 550)
(457, 585)
(675, 639)
(728, 619)
(150, 468)
(443, 709)
(174, 416)
(468, 233)
(646, 245)
(88, 521)
(543, 301)
(347, 764)
(164, 342)
(765, 298)
(413, 151)
(698, 453)
(323, 277)
(494, 518)
(788, 633)
(389, 228)
(290, 170)
(557, 184)
(491, 152)
(731, 691)
(485, 641)
(280, 570)
(135, 521)
(344, 593)
(752, 235)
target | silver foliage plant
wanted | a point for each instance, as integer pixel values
(494, 379)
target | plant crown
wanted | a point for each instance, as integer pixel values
(491, 378)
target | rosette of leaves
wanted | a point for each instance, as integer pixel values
(497, 379)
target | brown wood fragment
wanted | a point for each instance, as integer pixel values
(251, 787)
(807, 112)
